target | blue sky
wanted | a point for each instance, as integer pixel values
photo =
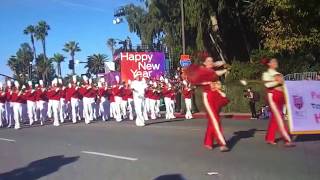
(87, 22)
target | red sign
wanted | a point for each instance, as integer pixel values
(184, 57)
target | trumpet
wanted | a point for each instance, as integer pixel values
(157, 89)
(22, 90)
(43, 89)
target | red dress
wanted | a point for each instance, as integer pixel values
(276, 102)
(213, 102)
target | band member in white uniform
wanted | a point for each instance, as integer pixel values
(31, 103)
(62, 101)
(124, 102)
(129, 95)
(86, 91)
(2, 105)
(116, 91)
(139, 86)
(167, 93)
(118, 99)
(103, 103)
(153, 100)
(17, 101)
(147, 97)
(9, 106)
(187, 94)
(42, 101)
(75, 100)
(54, 101)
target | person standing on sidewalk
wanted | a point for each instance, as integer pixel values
(251, 97)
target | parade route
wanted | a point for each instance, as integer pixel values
(161, 150)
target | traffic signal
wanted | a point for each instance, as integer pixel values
(71, 64)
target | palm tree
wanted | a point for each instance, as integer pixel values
(41, 31)
(30, 30)
(19, 63)
(95, 63)
(58, 58)
(13, 65)
(72, 47)
(44, 67)
(111, 43)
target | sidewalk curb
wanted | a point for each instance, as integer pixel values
(203, 115)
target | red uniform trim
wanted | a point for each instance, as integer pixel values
(3, 97)
(187, 93)
(276, 101)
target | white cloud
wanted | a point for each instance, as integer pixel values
(78, 5)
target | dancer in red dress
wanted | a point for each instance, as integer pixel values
(274, 84)
(213, 98)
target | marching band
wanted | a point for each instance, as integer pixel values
(75, 100)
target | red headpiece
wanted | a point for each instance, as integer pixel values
(265, 61)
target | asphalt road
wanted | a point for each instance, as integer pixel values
(160, 151)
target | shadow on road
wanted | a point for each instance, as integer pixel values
(39, 168)
(170, 177)
(308, 137)
(237, 136)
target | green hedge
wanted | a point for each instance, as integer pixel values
(238, 103)
(234, 92)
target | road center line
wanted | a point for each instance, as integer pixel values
(110, 155)
(9, 140)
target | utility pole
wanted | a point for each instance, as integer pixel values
(73, 68)
(182, 28)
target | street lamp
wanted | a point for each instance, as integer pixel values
(117, 20)
(30, 70)
(118, 14)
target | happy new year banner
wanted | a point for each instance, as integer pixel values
(303, 99)
(145, 64)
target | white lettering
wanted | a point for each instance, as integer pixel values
(155, 66)
(148, 67)
(137, 73)
(136, 57)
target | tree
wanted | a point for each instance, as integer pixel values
(13, 64)
(286, 26)
(30, 30)
(44, 68)
(95, 63)
(161, 21)
(72, 47)
(41, 31)
(58, 58)
(19, 63)
(111, 43)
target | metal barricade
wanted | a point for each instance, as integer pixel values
(301, 76)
